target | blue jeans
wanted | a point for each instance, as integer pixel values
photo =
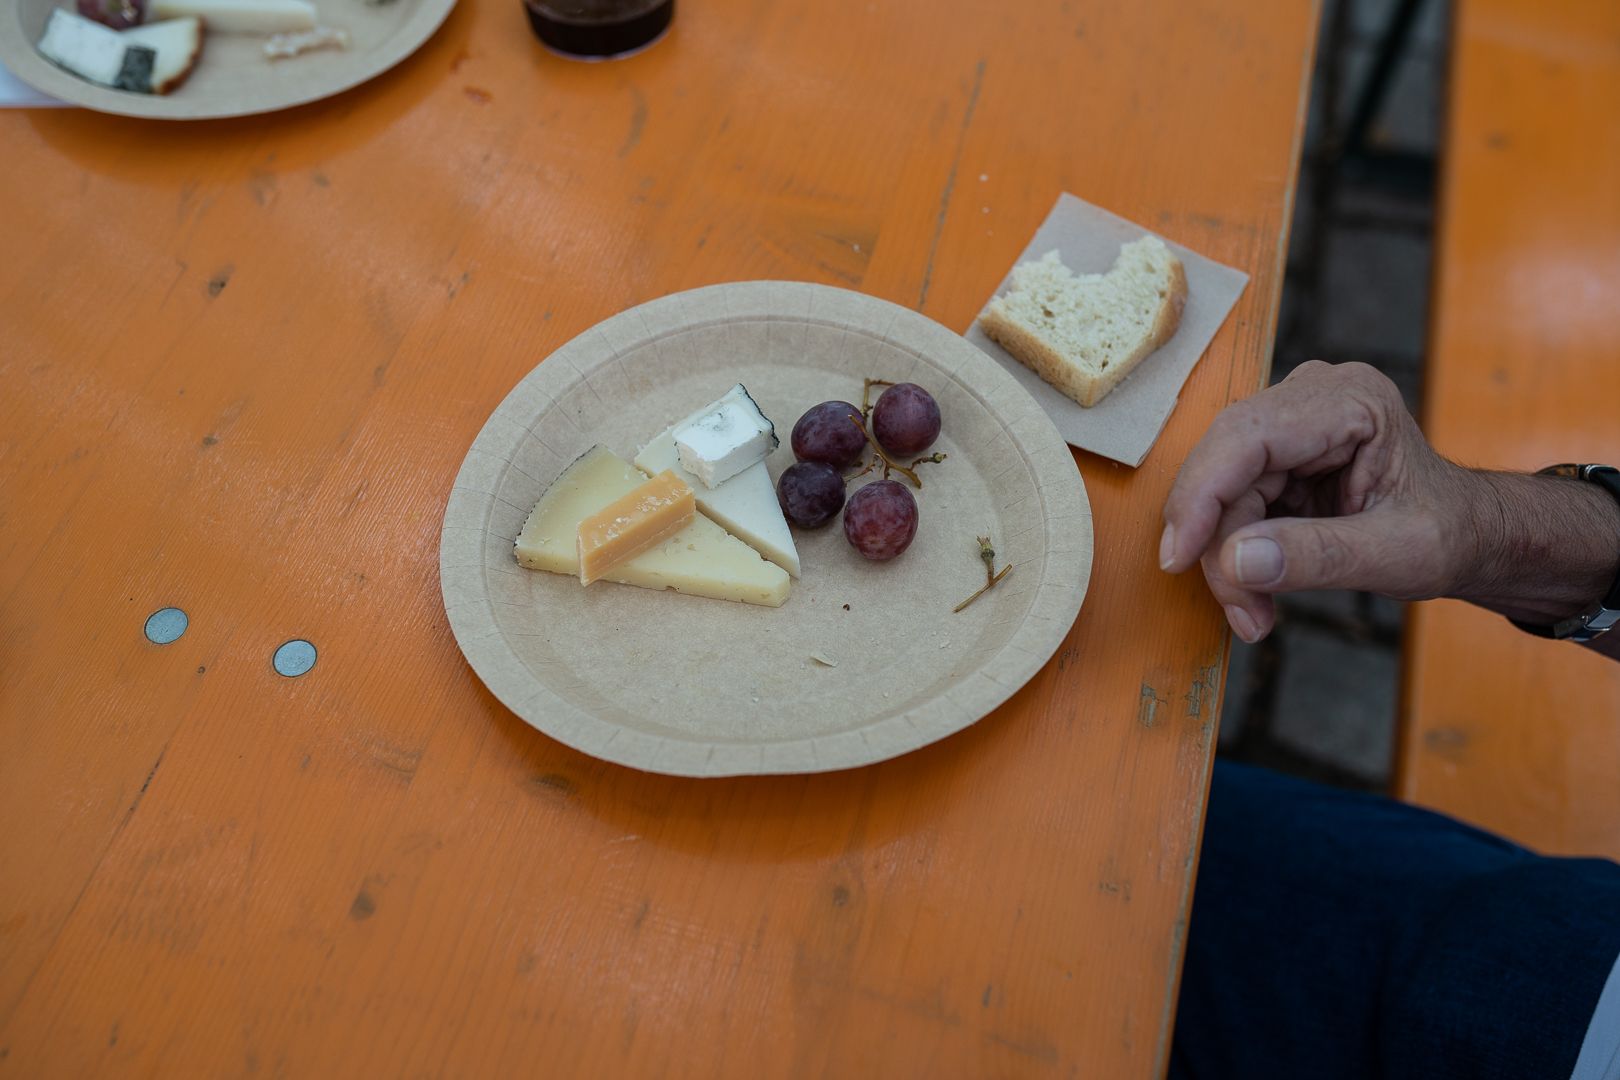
(1344, 935)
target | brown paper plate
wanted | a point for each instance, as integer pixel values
(233, 78)
(696, 687)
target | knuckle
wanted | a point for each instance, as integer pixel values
(1237, 419)
(1334, 560)
(1366, 375)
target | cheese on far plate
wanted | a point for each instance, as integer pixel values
(241, 16)
(700, 560)
(745, 505)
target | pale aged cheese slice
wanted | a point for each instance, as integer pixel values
(241, 16)
(700, 560)
(643, 518)
(745, 505)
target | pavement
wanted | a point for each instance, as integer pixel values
(1318, 697)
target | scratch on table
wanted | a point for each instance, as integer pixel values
(1202, 692)
(401, 761)
(950, 181)
(1448, 743)
(1112, 882)
(1148, 706)
(638, 121)
(262, 186)
(1037, 1047)
(354, 500)
(188, 191)
(180, 268)
(557, 782)
(146, 783)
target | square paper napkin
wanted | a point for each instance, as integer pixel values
(1125, 424)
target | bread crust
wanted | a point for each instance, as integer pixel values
(184, 73)
(1087, 389)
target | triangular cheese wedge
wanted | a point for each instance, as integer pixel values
(745, 505)
(700, 560)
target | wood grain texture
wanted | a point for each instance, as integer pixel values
(1517, 734)
(241, 362)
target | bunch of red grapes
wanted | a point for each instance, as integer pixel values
(880, 519)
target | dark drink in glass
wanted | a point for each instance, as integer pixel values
(599, 28)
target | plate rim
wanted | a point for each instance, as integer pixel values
(1056, 602)
(23, 60)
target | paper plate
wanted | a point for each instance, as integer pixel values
(865, 661)
(233, 78)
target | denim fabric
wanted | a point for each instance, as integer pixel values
(1344, 935)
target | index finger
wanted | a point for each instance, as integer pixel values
(1254, 445)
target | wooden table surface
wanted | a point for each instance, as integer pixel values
(1502, 729)
(239, 365)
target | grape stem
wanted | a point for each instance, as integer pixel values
(991, 577)
(866, 395)
(870, 465)
(909, 472)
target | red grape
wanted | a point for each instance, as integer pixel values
(825, 433)
(880, 520)
(118, 14)
(905, 419)
(811, 493)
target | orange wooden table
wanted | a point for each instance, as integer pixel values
(241, 362)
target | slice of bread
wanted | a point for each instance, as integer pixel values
(1083, 333)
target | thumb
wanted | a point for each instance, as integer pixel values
(1397, 552)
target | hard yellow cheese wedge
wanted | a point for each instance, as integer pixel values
(641, 519)
(700, 560)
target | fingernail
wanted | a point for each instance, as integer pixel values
(1259, 561)
(1167, 547)
(1242, 624)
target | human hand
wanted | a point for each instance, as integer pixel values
(1320, 482)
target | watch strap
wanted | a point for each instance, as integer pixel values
(1588, 624)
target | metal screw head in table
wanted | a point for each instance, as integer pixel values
(294, 658)
(166, 625)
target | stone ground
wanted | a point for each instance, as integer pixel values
(1318, 697)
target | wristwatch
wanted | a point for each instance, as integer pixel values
(1589, 624)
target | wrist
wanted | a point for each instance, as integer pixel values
(1536, 548)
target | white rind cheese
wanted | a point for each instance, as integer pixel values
(83, 46)
(745, 506)
(724, 437)
(150, 59)
(700, 560)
